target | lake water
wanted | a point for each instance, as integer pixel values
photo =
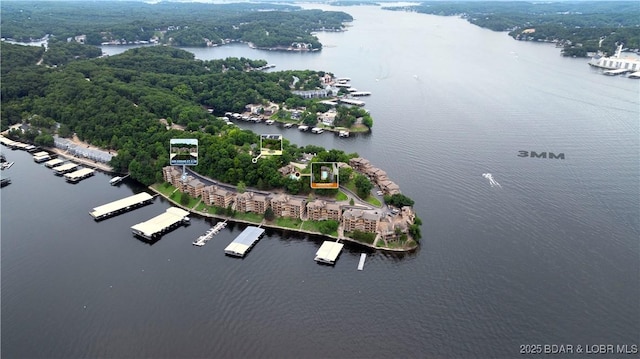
(550, 257)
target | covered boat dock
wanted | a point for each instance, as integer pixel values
(79, 175)
(121, 205)
(244, 241)
(328, 252)
(161, 224)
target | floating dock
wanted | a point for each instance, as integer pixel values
(202, 240)
(121, 205)
(244, 241)
(328, 252)
(53, 163)
(363, 256)
(349, 101)
(41, 158)
(65, 168)
(361, 93)
(77, 176)
(161, 224)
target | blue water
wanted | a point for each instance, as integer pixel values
(550, 257)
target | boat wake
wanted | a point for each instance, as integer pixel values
(492, 182)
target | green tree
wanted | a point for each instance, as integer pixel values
(241, 187)
(363, 186)
(269, 215)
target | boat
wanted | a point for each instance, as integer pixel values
(5, 182)
(288, 125)
(115, 180)
(6, 165)
(317, 130)
(343, 133)
(269, 122)
(616, 61)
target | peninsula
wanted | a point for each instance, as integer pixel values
(131, 106)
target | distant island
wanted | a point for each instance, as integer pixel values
(580, 28)
(280, 27)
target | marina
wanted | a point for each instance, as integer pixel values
(65, 168)
(202, 240)
(328, 252)
(244, 241)
(77, 176)
(158, 225)
(121, 205)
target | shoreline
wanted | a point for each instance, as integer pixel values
(273, 226)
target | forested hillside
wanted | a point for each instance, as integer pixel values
(577, 26)
(182, 24)
(117, 103)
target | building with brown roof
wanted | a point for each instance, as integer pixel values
(320, 210)
(172, 175)
(217, 196)
(389, 187)
(194, 187)
(361, 220)
(359, 164)
(286, 206)
(251, 202)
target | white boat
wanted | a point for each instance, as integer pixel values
(288, 125)
(269, 122)
(317, 130)
(343, 133)
(115, 180)
(616, 61)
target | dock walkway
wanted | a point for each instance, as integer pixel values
(202, 240)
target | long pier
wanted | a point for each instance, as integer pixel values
(202, 240)
(121, 205)
(363, 256)
(154, 227)
(244, 241)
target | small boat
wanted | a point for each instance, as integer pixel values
(317, 130)
(269, 122)
(115, 180)
(288, 125)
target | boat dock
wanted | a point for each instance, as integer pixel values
(244, 241)
(616, 72)
(202, 240)
(121, 205)
(328, 252)
(65, 168)
(361, 93)
(77, 176)
(53, 163)
(349, 101)
(363, 256)
(161, 224)
(41, 156)
(115, 180)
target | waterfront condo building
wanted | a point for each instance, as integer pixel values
(286, 206)
(251, 202)
(320, 210)
(361, 220)
(217, 196)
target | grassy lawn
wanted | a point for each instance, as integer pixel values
(249, 216)
(313, 226)
(178, 195)
(165, 188)
(288, 222)
(341, 196)
(373, 201)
